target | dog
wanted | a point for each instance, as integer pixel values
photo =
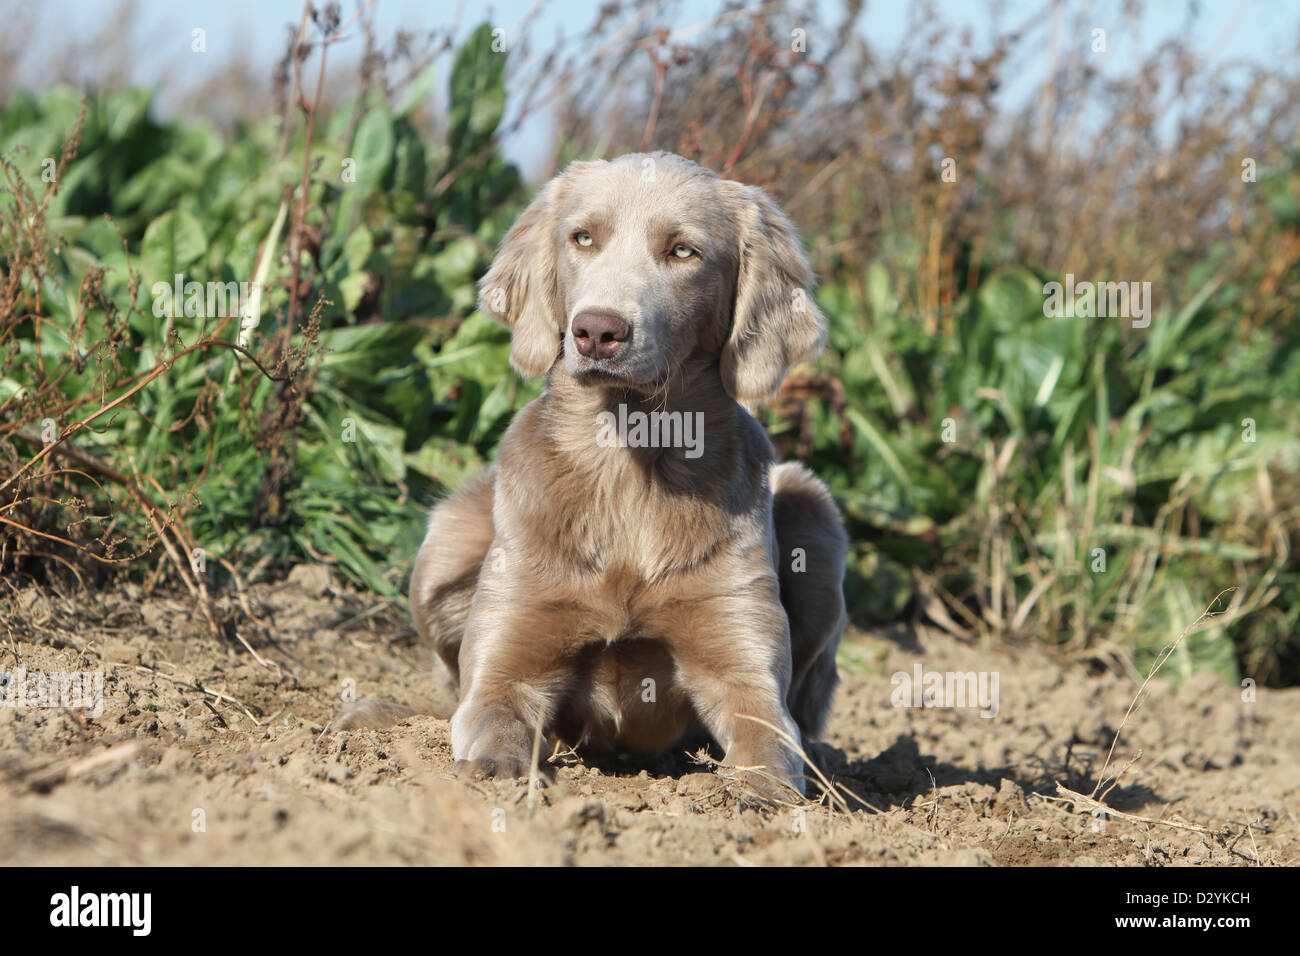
(631, 586)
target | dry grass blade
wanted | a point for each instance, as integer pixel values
(827, 787)
(191, 684)
(534, 773)
(1132, 707)
(1070, 795)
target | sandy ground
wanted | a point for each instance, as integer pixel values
(203, 755)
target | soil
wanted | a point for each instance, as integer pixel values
(204, 755)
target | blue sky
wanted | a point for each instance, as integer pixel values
(1257, 31)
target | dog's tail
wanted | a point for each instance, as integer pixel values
(376, 713)
(371, 713)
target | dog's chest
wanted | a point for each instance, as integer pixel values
(624, 697)
(628, 541)
(642, 548)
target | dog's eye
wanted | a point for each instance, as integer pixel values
(683, 251)
(582, 238)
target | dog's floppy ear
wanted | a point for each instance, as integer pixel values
(522, 288)
(775, 324)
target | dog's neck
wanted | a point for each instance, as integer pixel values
(692, 405)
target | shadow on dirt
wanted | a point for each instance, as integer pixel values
(900, 774)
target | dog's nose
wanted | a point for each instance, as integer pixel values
(599, 333)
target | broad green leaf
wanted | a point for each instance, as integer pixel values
(372, 147)
(478, 93)
(172, 242)
(417, 92)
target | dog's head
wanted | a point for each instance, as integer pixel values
(631, 267)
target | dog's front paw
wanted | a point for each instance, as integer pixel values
(766, 772)
(489, 741)
(761, 788)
